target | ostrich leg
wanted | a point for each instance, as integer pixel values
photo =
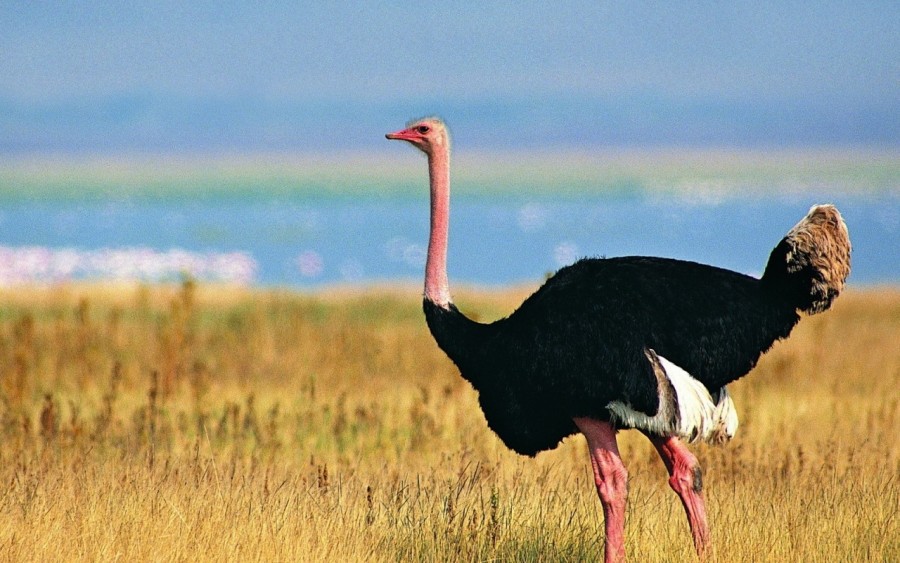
(611, 479)
(686, 480)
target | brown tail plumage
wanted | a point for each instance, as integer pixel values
(811, 263)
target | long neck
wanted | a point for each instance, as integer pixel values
(437, 288)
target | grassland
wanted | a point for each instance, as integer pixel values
(206, 423)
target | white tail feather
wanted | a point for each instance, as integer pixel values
(726, 420)
(698, 417)
(695, 405)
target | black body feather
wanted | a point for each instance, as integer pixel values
(578, 342)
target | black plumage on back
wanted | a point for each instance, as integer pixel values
(578, 342)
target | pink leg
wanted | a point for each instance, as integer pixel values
(611, 479)
(686, 480)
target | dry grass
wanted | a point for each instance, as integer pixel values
(182, 424)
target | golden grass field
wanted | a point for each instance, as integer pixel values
(206, 423)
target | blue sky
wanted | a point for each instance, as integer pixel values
(207, 76)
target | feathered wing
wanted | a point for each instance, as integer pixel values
(725, 417)
(686, 407)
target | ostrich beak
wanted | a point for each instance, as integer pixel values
(402, 135)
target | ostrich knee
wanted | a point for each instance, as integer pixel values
(687, 479)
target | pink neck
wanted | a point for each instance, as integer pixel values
(437, 288)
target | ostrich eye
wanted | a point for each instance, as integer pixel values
(422, 129)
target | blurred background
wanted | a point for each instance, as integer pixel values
(245, 144)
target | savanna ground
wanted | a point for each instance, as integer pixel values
(184, 423)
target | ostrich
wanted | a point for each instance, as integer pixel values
(626, 343)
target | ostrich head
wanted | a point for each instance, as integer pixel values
(426, 134)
